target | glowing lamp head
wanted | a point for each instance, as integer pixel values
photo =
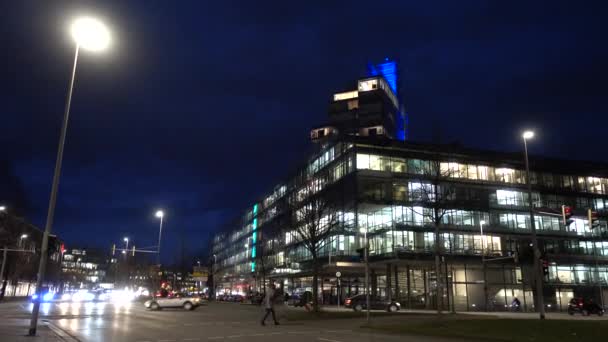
(160, 214)
(90, 34)
(482, 222)
(24, 236)
(125, 239)
(2, 208)
(528, 135)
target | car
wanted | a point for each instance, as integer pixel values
(359, 303)
(174, 301)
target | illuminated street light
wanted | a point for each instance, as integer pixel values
(160, 214)
(92, 35)
(2, 208)
(24, 236)
(536, 262)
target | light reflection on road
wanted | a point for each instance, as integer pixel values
(82, 308)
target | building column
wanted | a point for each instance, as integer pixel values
(408, 287)
(389, 294)
(374, 282)
(397, 294)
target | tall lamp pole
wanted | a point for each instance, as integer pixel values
(89, 34)
(537, 271)
(160, 214)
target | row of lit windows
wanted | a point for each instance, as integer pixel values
(477, 172)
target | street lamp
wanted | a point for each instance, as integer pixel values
(539, 278)
(2, 208)
(483, 264)
(160, 214)
(366, 257)
(90, 34)
(126, 240)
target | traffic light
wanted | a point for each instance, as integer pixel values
(113, 249)
(592, 217)
(567, 215)
(545, 264)
(361, 252)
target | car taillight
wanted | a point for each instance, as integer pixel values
(348, 301)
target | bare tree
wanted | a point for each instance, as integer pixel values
(313, 224)
(436, 196)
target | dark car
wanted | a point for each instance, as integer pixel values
(358, 303)
(578, 305)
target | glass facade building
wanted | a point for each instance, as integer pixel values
(397, 195)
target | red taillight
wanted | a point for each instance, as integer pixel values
(347, 301)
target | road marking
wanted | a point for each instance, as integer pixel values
(257, 335)
(192, 339)
(327, 340)
(166, 340)
(297, 332)
(235, 336)
(339, 331)
(275, 333)
(215, 337)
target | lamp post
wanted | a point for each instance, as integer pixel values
(90, 34)
(160, 214)
(537, 271)
(126, 240)
(484, 266)
(366, 258)
(23, 236)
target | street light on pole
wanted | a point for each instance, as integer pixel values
(160, 214)
(483, 264)
(366, 257)
(536, 265)
(2, 208)
(90, 34)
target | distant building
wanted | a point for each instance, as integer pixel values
(83, 268)
(21, 265)
(387, 190)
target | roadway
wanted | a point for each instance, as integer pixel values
(97, 322)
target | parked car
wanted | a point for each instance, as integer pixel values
(177, 300)
(358, 303)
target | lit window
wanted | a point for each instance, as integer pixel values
(347, 95)
(368, 85)
(505, 175)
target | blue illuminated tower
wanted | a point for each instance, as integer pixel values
(372, 109)
(389, 70)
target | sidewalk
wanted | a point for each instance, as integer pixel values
(15, 330)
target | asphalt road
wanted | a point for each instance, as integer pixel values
(97, 322)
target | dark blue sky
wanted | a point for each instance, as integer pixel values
(200, 107)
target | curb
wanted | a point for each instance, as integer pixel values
(64, 335)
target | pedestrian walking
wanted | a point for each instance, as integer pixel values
(269, 305)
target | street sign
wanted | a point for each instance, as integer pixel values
(338, 274)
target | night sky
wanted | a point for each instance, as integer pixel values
(200, 107)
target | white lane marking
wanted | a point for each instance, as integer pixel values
(257, 335)
(192, 339)
(215, 337)
(339, 331)
(234, 336)
(297, 332)
(327, 340)
(166, 340)
(275, 333)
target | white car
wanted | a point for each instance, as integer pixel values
(180, 300)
